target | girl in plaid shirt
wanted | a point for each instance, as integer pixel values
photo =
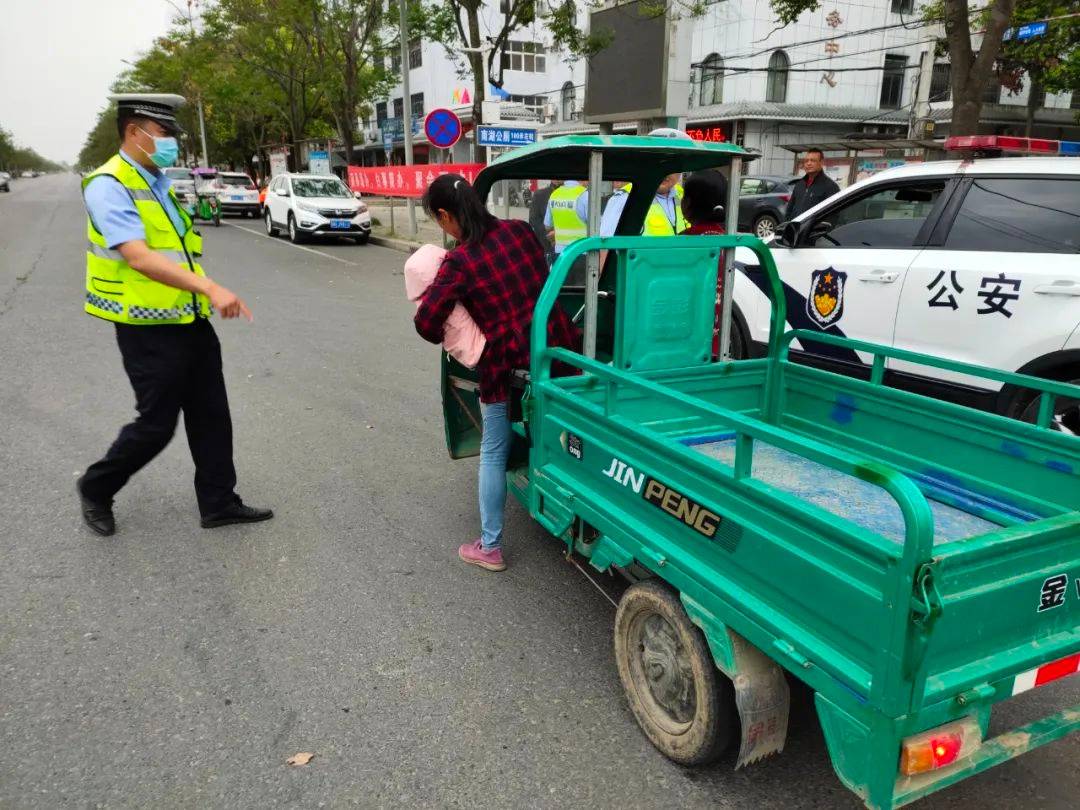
(496, 272)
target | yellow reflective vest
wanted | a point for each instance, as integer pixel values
(657, 222)
(569, 227)
(117, 292)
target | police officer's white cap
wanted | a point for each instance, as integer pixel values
(160, 107)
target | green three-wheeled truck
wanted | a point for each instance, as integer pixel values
(914, 562)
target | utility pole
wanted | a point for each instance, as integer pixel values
(406, 105)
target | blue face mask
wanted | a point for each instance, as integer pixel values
(166, 150)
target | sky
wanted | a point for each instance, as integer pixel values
(58, 59)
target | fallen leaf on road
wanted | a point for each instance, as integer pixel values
(302, 758)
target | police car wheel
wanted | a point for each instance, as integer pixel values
(765, 226)
(682, 702)
(1066, 418)
(271, 229)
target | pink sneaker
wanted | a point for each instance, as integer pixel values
(474, 554)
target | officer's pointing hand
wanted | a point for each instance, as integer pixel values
(228, 304)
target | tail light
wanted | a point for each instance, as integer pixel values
(939, 747)
(785, 197)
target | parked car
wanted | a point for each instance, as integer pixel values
(5, 181)
(977, 262)
(762, 200)
(307, 205)
(183, 180)
(27, 173)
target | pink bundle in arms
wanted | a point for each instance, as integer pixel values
(462, 338)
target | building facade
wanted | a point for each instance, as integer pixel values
(848, 68)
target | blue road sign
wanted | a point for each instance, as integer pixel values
(1031, 30)
(442, 128)
(505, 136)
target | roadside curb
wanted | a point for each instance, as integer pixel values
(403, 245)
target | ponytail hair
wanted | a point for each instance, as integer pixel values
(453, 194)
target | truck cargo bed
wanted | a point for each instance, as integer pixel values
(843, 495)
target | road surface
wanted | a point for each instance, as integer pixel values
(170, 666)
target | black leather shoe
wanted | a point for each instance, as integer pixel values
(237, 513)
(98, 516)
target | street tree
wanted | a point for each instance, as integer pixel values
(1046, 64)
(345, 37)
(459, 26)
(15, 158)
(272, 37)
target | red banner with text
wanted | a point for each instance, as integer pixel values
(406, 181)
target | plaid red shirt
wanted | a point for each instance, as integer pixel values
(498, 281)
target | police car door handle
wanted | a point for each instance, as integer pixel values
(879, 277)
(1059, 287)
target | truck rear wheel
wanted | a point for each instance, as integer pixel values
(682, 702)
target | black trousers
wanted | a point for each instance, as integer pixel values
(172, 368)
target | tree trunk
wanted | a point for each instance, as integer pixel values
(971, 71)
(1032, 105)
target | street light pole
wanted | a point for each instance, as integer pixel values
(406, 106)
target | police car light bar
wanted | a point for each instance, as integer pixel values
(996, 144)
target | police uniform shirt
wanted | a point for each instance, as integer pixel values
(113, 212)
(614, 209)
(581, 208)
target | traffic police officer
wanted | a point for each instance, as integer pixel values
(664, 217)
(143, 274)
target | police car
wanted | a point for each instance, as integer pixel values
(976, 261)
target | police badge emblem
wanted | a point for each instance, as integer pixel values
(825, 303)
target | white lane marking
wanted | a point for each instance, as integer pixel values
(290, 244)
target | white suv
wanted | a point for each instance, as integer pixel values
(974, 261)
(307, 205)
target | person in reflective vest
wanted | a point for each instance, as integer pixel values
(143, 274)
(567, 214)
(665, 217)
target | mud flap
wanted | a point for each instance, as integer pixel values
(763, 699)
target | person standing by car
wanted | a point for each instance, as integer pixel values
(496, 272)
(813, 187)
(143, 274)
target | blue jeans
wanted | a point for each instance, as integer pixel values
(494, 453)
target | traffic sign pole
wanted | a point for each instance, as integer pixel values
(407, 105)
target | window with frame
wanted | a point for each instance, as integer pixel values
(712, 80)
(380, 113)
(416, 53)
(889, 218)
(752, 185)
(395, 61)
(527, 57)
(569, 102)
(416, 105)
(399, 108)
(1018, 215)
(941, 82)
(777, 76)
(892, 81)
(535, 104)
(903, 6)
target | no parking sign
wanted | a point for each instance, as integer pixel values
(442, 128)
